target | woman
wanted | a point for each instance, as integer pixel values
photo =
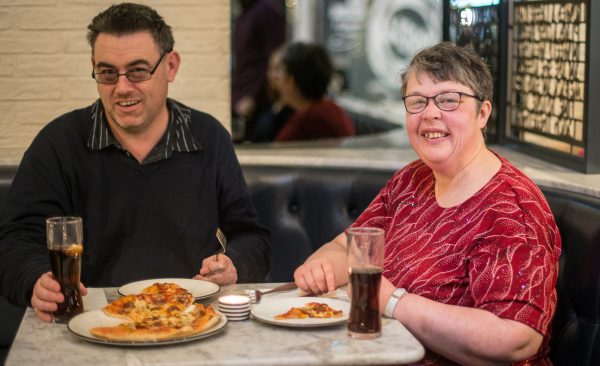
(268, 122)
(471, 245)
(304, 77)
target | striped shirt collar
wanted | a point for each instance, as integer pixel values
(178, 136)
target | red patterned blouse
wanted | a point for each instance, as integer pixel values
(497, 251)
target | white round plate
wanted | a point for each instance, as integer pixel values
(81, 324)
(267, 310)
(200, 289)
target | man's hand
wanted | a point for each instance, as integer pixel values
(217, 269)
(46, 295)
(316, 276)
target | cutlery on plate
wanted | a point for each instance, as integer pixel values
(256, 295)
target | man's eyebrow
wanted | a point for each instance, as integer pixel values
(137, 62)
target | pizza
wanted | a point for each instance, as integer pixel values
(160, 299)
(160, 312)
(310, 310)
(157, 328)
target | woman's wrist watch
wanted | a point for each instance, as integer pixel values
(391, 304)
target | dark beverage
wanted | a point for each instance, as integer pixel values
(365, 319)
(66, 269)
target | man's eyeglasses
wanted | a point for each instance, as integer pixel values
(448, 101)
(134, 75)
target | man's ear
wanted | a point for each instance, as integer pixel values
(173, 62)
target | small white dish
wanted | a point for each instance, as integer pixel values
(234, 300)
(227, 307)
(237, 318)
(235, 312)
(235, 307)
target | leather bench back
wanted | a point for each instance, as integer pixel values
(6, 177)
(10, 315)
(304, 208)
(576, 325)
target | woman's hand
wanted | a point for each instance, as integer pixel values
(316, 276)
(325, 269)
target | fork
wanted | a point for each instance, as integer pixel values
(222, 240)
(256, 295)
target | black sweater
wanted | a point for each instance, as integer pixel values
(140, 221)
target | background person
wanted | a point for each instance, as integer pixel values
(303, 81)
(258, 31)
(151, 178)
(270, 120)
(469, 237)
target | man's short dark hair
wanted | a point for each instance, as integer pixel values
(128, 18)
(311, 67)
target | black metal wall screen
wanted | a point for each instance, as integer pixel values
(547, 91)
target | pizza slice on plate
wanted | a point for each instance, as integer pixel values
(310, 310)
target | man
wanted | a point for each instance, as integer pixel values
(152, 178)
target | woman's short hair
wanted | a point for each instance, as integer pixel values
(311, 68)
(448, 62)
(128, 18)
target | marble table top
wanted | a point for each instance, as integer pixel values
(247, 342)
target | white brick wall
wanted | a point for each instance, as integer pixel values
(45, 61)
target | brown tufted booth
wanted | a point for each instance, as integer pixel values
(305, 207)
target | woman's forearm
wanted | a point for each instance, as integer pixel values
(467, 335)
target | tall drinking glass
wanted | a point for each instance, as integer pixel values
(365, 263)
(65, 245)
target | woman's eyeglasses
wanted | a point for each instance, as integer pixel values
(448, 101)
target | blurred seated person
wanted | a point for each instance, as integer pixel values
(258, 31)
(152, 178)
(303, 80)
(471, 249)
(268, 121)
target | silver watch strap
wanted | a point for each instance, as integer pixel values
(391, 304)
